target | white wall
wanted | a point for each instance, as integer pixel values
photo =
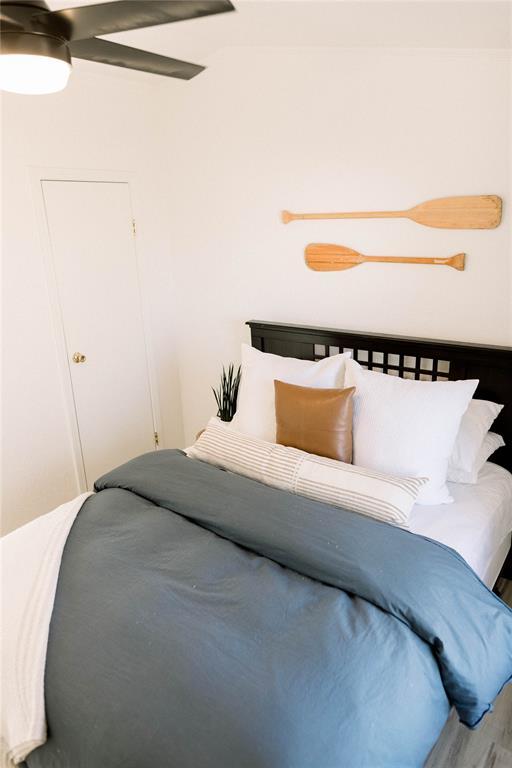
(100, 121)
(332, 129)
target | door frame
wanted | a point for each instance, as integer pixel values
(37, 176)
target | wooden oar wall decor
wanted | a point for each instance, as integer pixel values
(464, 212)
(323, 257)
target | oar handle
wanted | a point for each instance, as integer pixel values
(457, 261)
(287, 216)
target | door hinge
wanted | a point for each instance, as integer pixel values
(157, 439)
(134, 227)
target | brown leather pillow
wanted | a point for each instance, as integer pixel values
(315, 420)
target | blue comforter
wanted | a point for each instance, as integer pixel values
(204, 620)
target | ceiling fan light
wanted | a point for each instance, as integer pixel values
(33, 63)
(22, 73)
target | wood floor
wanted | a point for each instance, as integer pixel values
(488, 747)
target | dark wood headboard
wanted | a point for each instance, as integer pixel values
(424, 359)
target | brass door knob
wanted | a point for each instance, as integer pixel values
(79, 358)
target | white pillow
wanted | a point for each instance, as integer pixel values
(407, 427)
(490, 443)
(255, 412)
(370, 493)
(474, 426)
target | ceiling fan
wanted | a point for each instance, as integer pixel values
(37, 44)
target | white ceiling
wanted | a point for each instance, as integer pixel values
(344, 23)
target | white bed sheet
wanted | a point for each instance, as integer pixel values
(477, 524)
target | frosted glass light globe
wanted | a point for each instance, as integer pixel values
(32, 74)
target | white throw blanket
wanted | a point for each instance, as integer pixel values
(30, 558)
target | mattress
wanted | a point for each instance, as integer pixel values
(478, 523)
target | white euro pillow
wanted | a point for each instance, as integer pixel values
(490, 444)
(384, 497)
(407, 427)
(474, 426)
(255, 411)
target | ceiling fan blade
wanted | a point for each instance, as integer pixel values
(105, 18)
(106, 52)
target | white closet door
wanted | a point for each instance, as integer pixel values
(92, 244)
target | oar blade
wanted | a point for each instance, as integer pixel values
(463, 212)
(323, 257)
(458, 261)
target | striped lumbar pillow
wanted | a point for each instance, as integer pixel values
(385, 497)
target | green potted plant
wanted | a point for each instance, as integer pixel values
(227, 392)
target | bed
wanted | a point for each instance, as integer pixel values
(203, 619)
